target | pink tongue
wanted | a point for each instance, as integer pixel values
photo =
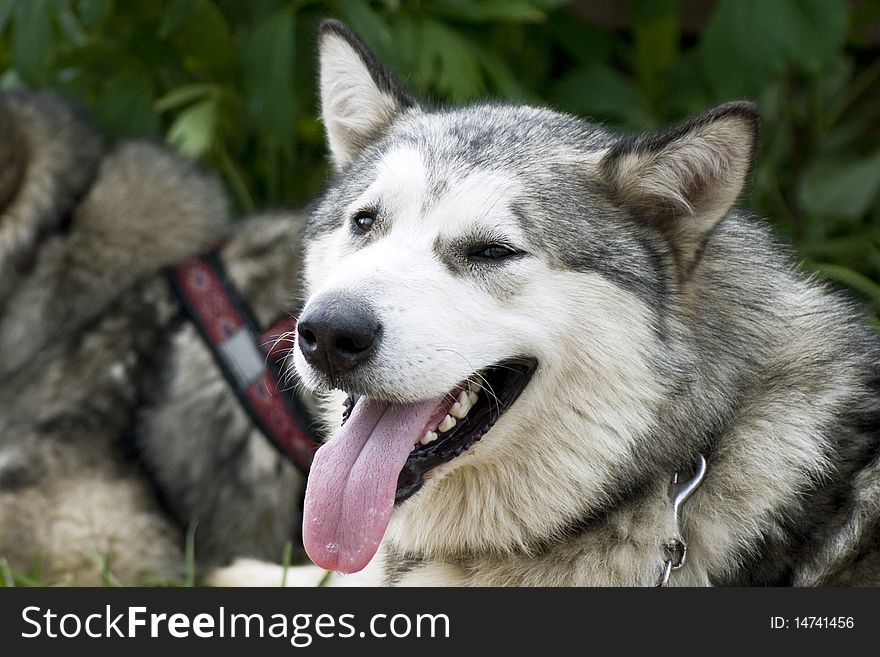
(353, 479)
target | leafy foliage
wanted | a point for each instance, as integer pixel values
(233, 83)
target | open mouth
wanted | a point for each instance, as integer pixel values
(478, 405)
(381, 454)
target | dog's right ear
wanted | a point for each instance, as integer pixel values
(359, 98)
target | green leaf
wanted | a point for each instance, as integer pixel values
(184, 95)
(285, 562)
(6, 9)
(11, 80)
(206, 40)
(6, 573)
(849, 136)
(598, 91)
(863, 23)
(550, 5)
(32, 40)
(810, 33)
(406, 35)
(192, 132)
(656, 35)
(107, 578)
(507, 11)
(94, 12)
(190, 554)
(236, 180)
(747, 43)
(738, 57)
(179, 12)
(451, 61)
(502, 78)
(125, 107)
(584, 42)
(686, 90)
(71, 26)
(268, 58)
(840, 189)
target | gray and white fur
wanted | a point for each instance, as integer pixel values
(666, 322)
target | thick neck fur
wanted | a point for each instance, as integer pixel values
(784, 361)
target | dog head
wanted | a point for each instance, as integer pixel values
(487, 284)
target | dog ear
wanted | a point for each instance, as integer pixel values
(685, 180)
(359, 98)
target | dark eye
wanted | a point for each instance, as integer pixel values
(364, 220)
(492, 252)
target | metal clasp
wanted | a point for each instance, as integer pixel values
(676, 548)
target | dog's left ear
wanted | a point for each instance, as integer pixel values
(685, 180)
(359, 98)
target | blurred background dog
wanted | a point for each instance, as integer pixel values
(117, 429)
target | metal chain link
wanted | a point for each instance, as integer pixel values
(676, 547)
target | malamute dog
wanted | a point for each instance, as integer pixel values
(530, 323)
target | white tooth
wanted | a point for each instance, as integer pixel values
(447, 423)
(472, 397)
(428, 438)
(458, 411)
(461, 407)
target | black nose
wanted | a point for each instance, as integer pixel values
(337, 333)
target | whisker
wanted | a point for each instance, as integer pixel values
(287, 336)
(484, 382)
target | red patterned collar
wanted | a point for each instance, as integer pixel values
(249, 358)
